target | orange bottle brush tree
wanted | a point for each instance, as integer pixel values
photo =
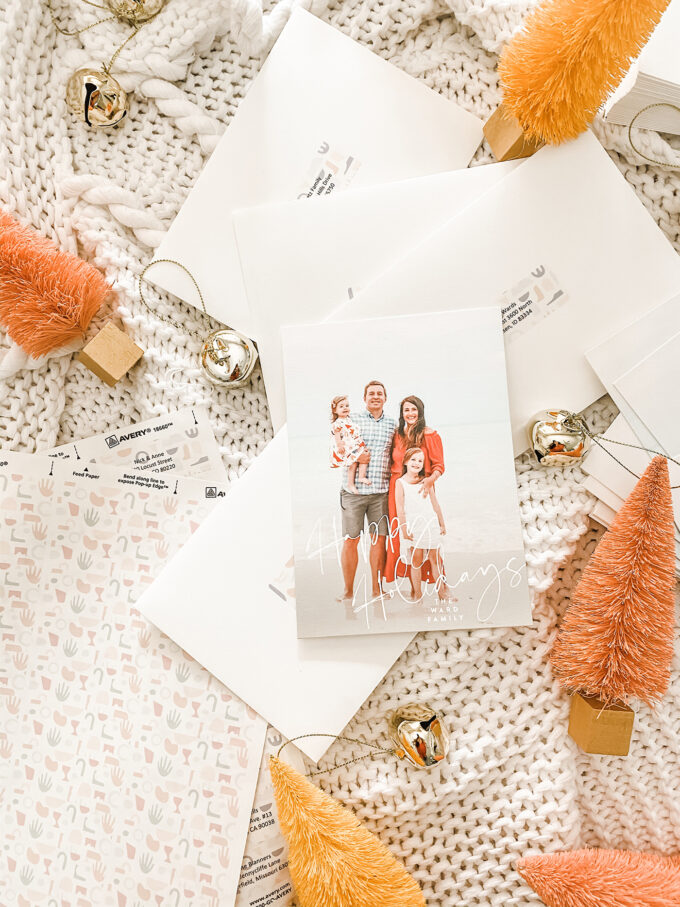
(334, 860)
(596, 878)
(47, 296)
(557, 71)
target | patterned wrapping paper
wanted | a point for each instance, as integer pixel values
(128, 770)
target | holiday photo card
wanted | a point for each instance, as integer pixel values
(405, 513)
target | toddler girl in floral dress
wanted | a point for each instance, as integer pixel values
(347, 446)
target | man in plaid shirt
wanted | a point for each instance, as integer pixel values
(368, 503)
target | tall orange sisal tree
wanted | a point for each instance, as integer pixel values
(603, 878)
(569, 55)
(616, 638)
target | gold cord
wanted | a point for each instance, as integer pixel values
(107, 67)
(71, 34)
(579, 422)
(377, 751)
(641, 153)
(167, 318)
(136, 26)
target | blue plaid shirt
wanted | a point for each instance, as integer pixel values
(377, 435)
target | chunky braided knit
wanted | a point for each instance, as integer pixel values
(514, 782)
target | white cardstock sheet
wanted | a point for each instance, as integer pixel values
(323, 113)
(567, 213)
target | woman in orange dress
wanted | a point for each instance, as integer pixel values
(412, 431)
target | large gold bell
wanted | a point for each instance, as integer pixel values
(228, 358)
(135, 11)
(96, 98)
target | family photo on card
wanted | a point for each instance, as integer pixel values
(402, 484)
(389, 468)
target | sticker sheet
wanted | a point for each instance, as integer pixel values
(128, 771)
(180, 442)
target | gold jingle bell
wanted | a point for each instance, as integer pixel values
(228, 358)
(97, 98)
(558, 438)
(419, 734)
(135, 12)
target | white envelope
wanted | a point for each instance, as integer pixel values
(650, 388)
(620, 480)
(624, 349)
(323, 112)
(302, 261)
(604, 494)
(568, 211)
(603, 514)
(227, 599)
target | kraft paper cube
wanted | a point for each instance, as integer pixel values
(505, 137)
(110, 354)
(598, 728)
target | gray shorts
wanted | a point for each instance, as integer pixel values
(359, 507)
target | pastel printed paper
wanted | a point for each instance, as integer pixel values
(129, 771)
(184, 442)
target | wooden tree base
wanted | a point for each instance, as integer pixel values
(505, 136)
(110, 354)
(598, 728)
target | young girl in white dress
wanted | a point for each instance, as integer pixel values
(421, 523)
(348, 448)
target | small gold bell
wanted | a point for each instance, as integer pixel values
(96, 98)
(135, 12)
(557, 438)
(419, 734)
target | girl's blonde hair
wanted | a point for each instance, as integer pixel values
(334, 403)
(407, 456)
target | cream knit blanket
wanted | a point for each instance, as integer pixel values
(514, 782)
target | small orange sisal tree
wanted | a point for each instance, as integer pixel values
(603, 878)
(47, 296)
(616, 638)
(569, 55)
